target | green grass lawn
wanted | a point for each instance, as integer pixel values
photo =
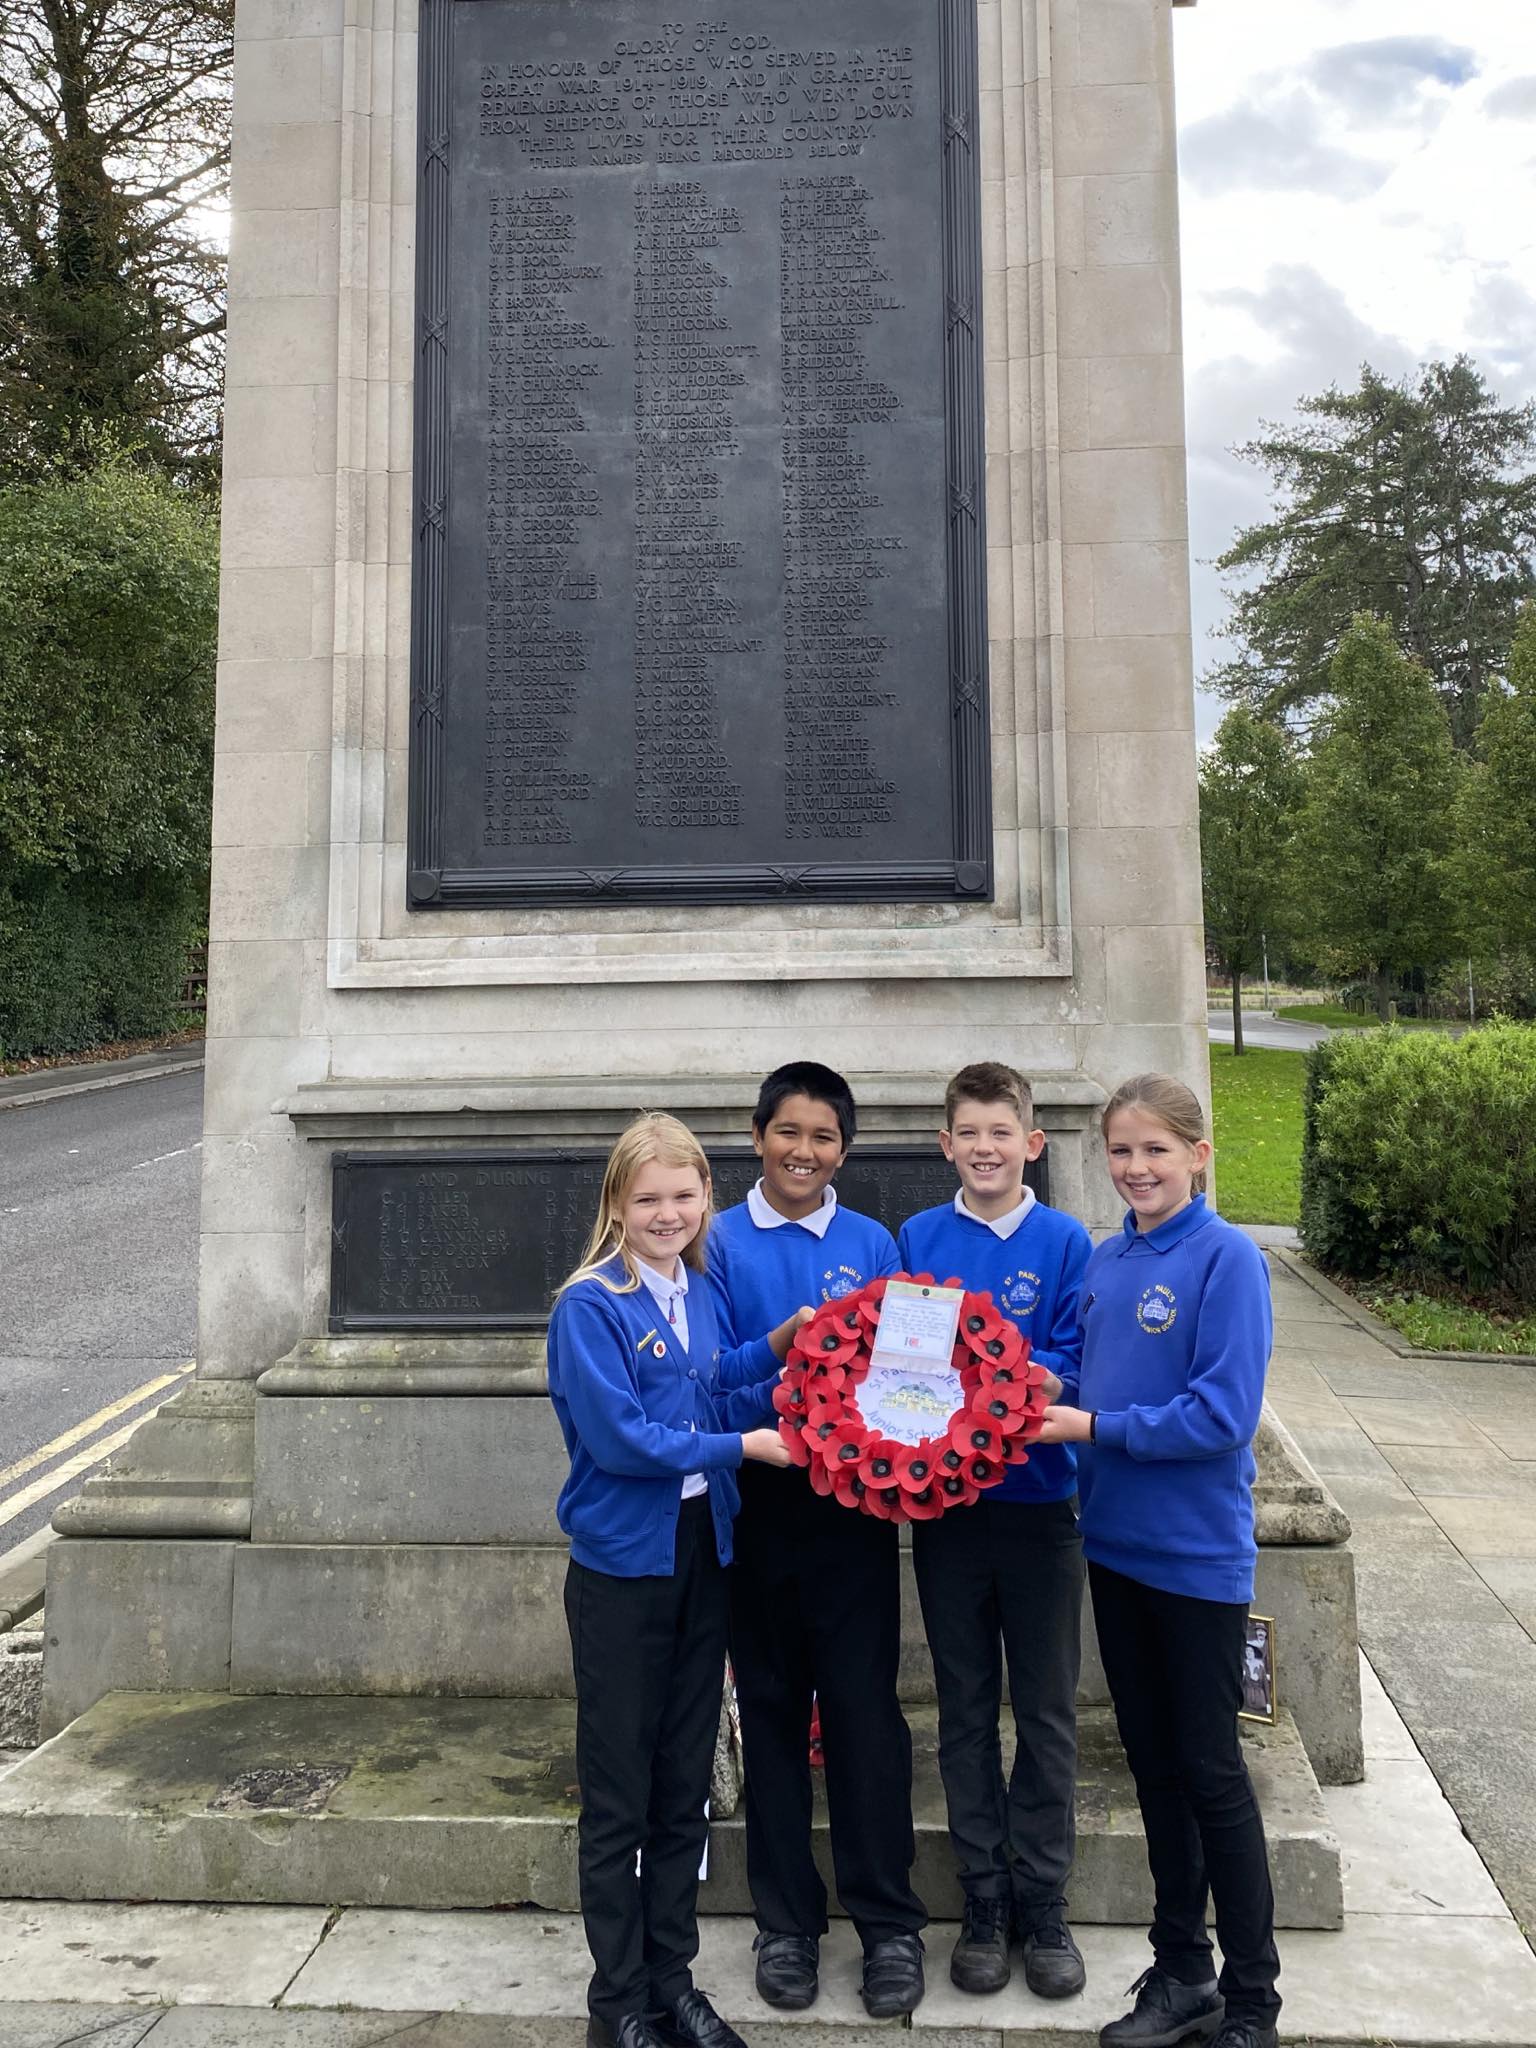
(1432, 1323)
(1257, 1108)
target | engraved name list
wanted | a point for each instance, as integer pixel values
(698, 577)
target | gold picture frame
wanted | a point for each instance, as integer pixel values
(1260, 1695)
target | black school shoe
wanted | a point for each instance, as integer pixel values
(1167, 2013)
(979, 1962)
(692, 2022)
(786, 1970)
(1053, 1963)
(893, 1976)
(634, 2030)
(1239, 2033)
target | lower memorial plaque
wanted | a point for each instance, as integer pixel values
(480, 1240)
(698, 552)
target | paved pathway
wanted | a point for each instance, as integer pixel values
(1435, 1463)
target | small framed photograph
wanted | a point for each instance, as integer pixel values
(1259, 1670)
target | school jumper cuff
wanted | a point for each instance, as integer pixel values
(1109, 1431)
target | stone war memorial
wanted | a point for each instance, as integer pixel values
(705, 584)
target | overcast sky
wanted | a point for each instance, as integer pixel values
(1359, 184)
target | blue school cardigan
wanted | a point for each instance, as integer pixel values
(639, 1413)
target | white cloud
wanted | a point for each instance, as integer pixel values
(1358, 186)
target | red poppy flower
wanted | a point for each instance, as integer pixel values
(877, 1467)
(845, 1446)
(980, 1323)
(1003, 1404)
(847, 1487)
(825, 1379)
(792, 1436)
(926, 1505)
(1015, 1450)
(789, 1399)
(956, 1492)
(821, 1478)
(974, 1436)
(824, 1344)
(869, 1300)
(915, 1467)
(981, 1471)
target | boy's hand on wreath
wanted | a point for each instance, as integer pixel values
(765, 1447)
(1065, 1426)
(1051, 1384)
(779, 1340)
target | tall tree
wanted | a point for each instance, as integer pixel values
(114, 146)
(1493, 867)
(1375, 821)
(1250, 786)
(1415, 501)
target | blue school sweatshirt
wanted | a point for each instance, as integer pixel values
(639, 1413)
(762, 1276)
(1034, 1277)
(1176, 1327)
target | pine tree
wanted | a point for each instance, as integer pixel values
(1414, 501)
(1375, 823)
(1249, 790)
(1493, 867)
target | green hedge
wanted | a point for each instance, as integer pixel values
(1419, 1157)
(86, 959)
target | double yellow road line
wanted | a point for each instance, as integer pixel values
(17, 1503)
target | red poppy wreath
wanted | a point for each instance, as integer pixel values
(1000, 1399)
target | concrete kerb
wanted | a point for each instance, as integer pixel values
(24, 1091)
(1295, 1264)
(22, 1573)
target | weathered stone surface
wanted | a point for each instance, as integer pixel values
(135, 1616)
(21, 1688)
(459, 1802)
(415, 1469)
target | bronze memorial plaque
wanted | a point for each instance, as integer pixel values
(480, 1239)
(698, 548)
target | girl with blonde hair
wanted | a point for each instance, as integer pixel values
(1175, 1325)
(656, 1420)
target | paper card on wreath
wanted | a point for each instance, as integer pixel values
(910, 1390)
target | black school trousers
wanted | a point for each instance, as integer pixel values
(816, 1610)
(1004, 1579)
(649, 1660)
(1175, 1671)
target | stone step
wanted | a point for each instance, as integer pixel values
(472, 1802)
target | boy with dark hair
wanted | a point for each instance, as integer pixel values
(1004, 1578)
(815, 1590)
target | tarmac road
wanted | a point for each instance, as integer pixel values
(98, 1280)
(1276, 1034)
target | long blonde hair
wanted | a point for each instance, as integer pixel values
(652, 1139)
(1169, 1103)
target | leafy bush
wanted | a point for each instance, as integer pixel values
(108, 615)
(1419, 1158)
(85, 960)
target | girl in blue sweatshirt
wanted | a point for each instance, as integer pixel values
(656, 1422)
(1176, 1332)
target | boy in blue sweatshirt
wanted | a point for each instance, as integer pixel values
(1004, 1578)
(815, 1589)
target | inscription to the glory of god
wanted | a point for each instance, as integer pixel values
(698, 608)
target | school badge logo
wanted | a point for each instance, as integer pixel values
(837, 1281)
(1021, 1293)
(1157, 1311)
